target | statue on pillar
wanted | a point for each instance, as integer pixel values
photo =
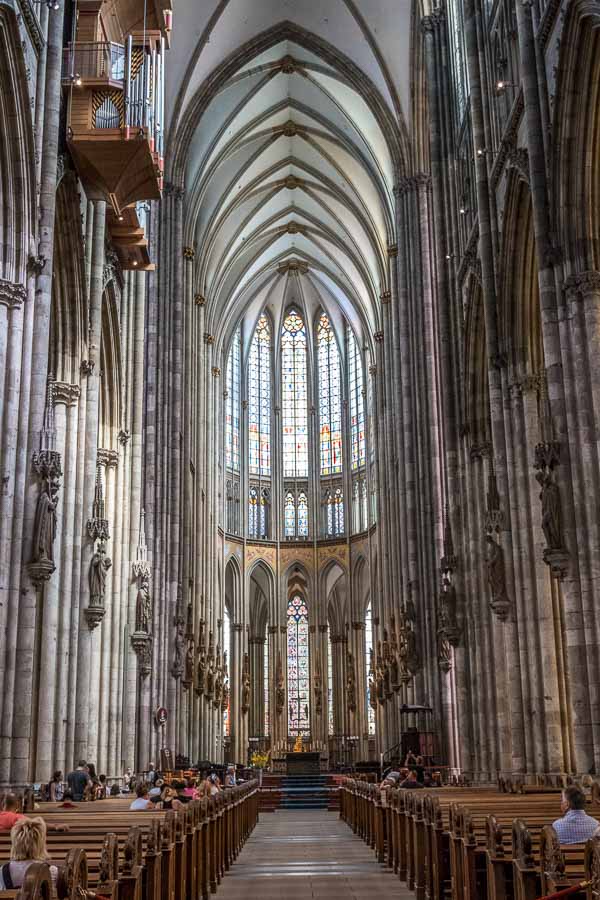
(45, 522)
(143, 606)
(496, 575)
(99, 566)
(350, 683)
(246, 684)
(280, 686)
(551, 509)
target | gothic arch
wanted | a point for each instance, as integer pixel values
(262, 573)
(69, 304)
(577, 138)
(519, 313)
(111, 373)
(360, 589)
(232, 596)
(17, 157)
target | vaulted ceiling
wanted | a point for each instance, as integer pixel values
(288, 127)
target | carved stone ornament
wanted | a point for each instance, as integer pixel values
(142, 645)
(449, 615)
(444, 654)
(188, 673)
(47, 465)
(143, 605)
(318, 687)
(12, 295)
(201, 663)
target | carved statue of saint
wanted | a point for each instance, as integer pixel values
(495, 569)
(45, 522)
(189, 662)
(551, 510)
(372, 694)
(99, 566)
(350, 684)
(246, 695)
(178, 655)
(412, 651)
(143, 609)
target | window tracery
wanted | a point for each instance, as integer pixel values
(298, 670)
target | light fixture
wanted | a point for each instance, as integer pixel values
(463, 210)
(52, 4)
(501, 85)
(481, 151)
(76, 79)
(134, 263)
(120, 218)
(449, 256)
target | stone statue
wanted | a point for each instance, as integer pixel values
(246, 684)
(189, 662)
(143, 610)
(178, 650)
(495, 570)
(551, 510)
(99, 566)
(350, 684)
(201, 671)
(45, 522)
(413, 658)
(280, 688)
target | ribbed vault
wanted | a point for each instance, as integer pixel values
(289, 148)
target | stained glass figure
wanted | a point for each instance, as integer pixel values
(290, 515)
(253, 513)
(368, 648)
(330, 399)
(294, 397)
(259, 400)
(302, 515)
(330, 722)
(334, 501)
(232, 405)
(298, 673)
(357, 403)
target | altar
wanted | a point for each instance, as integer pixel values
(303, 763)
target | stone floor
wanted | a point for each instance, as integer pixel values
(304, 854)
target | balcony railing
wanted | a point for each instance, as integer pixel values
(128, 85)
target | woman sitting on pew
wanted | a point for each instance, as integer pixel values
(28, 839)
(142, 800)
(56, 788)
(168, 799)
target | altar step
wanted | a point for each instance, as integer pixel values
(299, 792)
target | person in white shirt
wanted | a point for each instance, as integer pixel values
(142, 801)
(575, 826)
(230, 779)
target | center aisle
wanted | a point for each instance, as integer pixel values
(305, 854)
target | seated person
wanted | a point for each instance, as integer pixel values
(575, 826)
(168, 799)
(28, 845)
(215, 784)
(142, 800)
(190, 789)
(230, 777)
(411, 782)
(179, 787)
(156, 790)
(10, 814)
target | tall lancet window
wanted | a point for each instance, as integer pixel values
(232, 413)
(357, 403)
(259, 400)
(294, 397)
(368, 650)
(298, 670)
(330, 399)
(227, 657)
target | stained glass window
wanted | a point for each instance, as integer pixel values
(253, 512)
(355, 507)
(232, 404)
(368, 648)
(259, 400)
(302, 515)
(294, 397)
(330, 399)
(298, 667)
(335, 512)
(357, 403)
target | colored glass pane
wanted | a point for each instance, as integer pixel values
(253, 513)
(266, 685)
(330, 399)
(294, 397)
(298, 674)
(357, 403)
(226, 650)
(232, 405)
(259, 400)
(302, 516)
(329, 683)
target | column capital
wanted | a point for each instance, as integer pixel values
(199, 300)
(582, 285)
(385, 296)
(66, 393)
(189, 253)
(12, 295)
(108, 458)
(378, 337)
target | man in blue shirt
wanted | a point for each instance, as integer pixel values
(575, 826)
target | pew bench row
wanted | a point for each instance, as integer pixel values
(473, 844)
(155, 855)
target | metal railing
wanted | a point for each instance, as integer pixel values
(139, 77)
(94, 61)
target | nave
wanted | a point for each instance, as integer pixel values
(308, 854)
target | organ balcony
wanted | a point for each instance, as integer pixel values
(127, 233)
(115, 116)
